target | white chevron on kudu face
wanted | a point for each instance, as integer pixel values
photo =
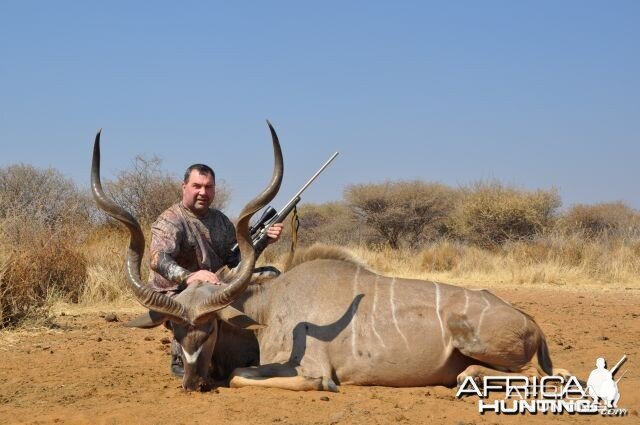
(191, 358)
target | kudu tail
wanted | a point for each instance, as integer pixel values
(544, 359)
(545, 363)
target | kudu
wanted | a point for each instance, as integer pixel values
(330, 320)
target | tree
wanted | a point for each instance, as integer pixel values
(410, 211)
(42, 195)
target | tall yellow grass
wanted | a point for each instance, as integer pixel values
(571, 262)
(105, 252)
(38, 263)
(94, 269)
(567, 261)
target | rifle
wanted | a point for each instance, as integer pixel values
(270, 216)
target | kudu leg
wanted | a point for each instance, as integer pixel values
(279, 376)
(477, 373)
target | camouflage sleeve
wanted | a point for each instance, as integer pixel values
(165, 240)
(233, 259)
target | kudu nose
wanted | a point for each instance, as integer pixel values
(196, 383)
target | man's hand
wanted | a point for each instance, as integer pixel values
(203, 276)
(273, 232)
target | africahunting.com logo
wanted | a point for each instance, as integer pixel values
(550, 394)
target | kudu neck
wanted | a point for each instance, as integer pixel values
(255, 300)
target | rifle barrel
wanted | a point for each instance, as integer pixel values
(306, 185)
(325, 165)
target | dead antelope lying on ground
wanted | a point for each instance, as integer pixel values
(329, 321)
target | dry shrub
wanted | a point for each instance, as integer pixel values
(408, 212)
(601, 221)
(568, 251)
(41, 196)
(329, 223)
(33, 276)
(442, 256)
(491, 214)
(524, 253)
(42, 217)
(477, 261)
(41, 265)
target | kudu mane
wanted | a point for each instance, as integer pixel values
(322, 252)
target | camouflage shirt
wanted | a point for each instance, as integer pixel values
(182, 243)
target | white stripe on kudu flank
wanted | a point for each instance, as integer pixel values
(354, 308)
(393, 313)
(466, 303)
(373, 311)
(438, 312)
(191, 358)
(482, 313)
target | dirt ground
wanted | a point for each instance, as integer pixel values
(90, 370)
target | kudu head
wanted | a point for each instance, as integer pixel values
(193, 315)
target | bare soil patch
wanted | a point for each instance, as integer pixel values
(90, 370)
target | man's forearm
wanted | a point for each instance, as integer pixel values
(166, 266)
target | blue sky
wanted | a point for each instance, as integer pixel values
(535, 94)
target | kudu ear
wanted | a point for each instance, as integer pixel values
(147, 320)
(238, 319)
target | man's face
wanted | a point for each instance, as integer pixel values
(198, 192)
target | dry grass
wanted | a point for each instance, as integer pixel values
(38, 265)
(92, 273)
(557, 261)
(105, 251)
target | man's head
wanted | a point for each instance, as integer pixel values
(198, 188)
(600, 362)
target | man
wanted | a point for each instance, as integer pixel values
(190, 241)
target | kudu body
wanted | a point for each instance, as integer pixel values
(330, 321)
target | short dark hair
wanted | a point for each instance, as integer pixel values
(202, 169)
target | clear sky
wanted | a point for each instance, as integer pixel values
(536, 94)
